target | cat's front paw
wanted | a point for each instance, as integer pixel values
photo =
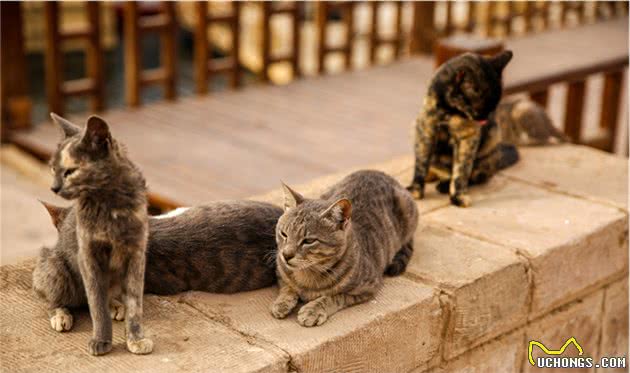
(461, 200)
(98, 348)
(140, 346)
(281, 309)
(312, 315)
(416, 190)
(117, 310)
(61, 321)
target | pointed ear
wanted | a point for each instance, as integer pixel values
(57, 214)
(500, 60)
(69, 129)
(96, 133)
(291, 197)
(340, 211)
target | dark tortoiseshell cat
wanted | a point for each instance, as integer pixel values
(222, 247)
(453, 132)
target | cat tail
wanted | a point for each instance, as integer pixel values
(508, 155)
(400, 261)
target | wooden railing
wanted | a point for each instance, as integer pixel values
(93, 85)
(136, 26)
(206, 67)
(613, 72)
(415, 37)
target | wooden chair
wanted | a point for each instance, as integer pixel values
(323, 11)
(93, 84)
(376, 40)
(295, 10)
(135, 27)
(205, 66)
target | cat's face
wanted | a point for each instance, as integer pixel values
(311, 234)
(81, 161)
(471, 84)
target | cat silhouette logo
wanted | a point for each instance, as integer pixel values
(547, 351)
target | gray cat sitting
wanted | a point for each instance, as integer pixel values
(333, 252)
(109, 194)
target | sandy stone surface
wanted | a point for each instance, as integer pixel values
(486, 286)
(366, 337)
(580, 320)
(571, 243)
(577, 170)
(528, 260)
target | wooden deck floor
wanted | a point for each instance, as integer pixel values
(238, 144)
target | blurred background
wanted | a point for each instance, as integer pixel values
(222, 99)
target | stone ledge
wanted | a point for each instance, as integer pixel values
(185, 340)
(478, 283)
(361, 338)
(571, 244)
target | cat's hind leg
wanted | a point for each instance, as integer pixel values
(400, 261)
(56, 283)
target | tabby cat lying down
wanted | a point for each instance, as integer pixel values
(334, 251)
(222, 247)
(462, 137)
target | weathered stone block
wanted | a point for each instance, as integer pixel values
(397, 331)
(185, 340)
(615, 323)
(504, 355)
(580, 320)
(572, 244)
(487, 285)
(578, 170)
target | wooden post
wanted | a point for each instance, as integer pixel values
(168, 51)
(611, 98)
(374, 34)
(236, 44)
(53, 58)
(201, 48)
(348, 15)
(540, 97)
(423, 34)
(449, 47)
(14, 100)
(573, 111)
(95, 56)
(133, 60)
(266, 39)
(297, 14)
(322, 15)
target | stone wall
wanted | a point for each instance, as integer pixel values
(541, 255)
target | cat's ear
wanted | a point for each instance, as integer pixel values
(500, 60)
(291, 197)
(57, 213)
(340, 212)
(69, 129)
(96, 134)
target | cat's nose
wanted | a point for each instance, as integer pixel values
(288, 256)
(55, 188)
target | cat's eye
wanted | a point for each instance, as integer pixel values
(284, 235)
(309, 241)
(69, 172)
